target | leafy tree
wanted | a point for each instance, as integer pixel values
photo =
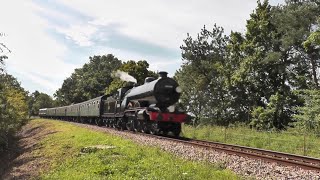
(313, 40)
(203, 76)
(238, 97)
(308, 116)
(294, 22)
(89, 81)
(251, 77)
(312, 47)
(138, 70)
(3, 48)
(268, 118)
(37, 101)
(192, 99)
(13, 107)
(2, 58)
(8, 80)
(266, 69)
(13, 113)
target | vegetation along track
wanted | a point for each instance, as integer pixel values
(303, 162)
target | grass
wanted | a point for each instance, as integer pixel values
(289, 141)
(123, 160)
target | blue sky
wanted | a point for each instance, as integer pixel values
(49, 39)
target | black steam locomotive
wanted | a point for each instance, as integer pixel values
(149, 108)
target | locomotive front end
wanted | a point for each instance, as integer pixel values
(153, 106)
(166, 91)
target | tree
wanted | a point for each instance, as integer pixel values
(13, 107)
(3, 48)
(193, 98)
(204, 75)
(37, 101)
(89, 81)
(308, 117)
(294, 22)
(139, 70)
(251, 77)
(264, 71)
(312, 47)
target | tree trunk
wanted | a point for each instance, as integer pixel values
(314, 69)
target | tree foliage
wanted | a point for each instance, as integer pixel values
(13, 107)
(252, 77)
(3, 48)
(89, 81)
(203, 73)
(38, 100)
(308, 116)
(139, 70)
(95, 79)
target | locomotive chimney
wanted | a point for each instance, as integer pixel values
(163, 74)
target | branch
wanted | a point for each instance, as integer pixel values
(3, 45)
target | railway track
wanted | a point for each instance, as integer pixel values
(287, 159)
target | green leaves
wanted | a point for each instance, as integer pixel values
(313, 39)
(250, 77)
(205, 74)
(13, 107)
(89, 81)
(138, 70)
(308, 116)
(37, 101)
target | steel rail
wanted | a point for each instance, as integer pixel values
(287, 159)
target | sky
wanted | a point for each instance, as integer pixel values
(49, 39)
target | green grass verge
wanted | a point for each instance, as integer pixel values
(289, 141)
(127, 160)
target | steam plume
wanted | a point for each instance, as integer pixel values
(124, 76)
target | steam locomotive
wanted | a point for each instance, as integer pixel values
(149, 108)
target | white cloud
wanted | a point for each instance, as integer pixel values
(38, 58)
(33, 50)
(81, 34)
(165, 22)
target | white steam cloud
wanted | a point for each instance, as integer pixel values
(124, 76)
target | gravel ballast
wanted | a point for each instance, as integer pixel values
(243, 166)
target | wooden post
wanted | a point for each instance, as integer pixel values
(304, 145)
(269, 141)
(225, 134)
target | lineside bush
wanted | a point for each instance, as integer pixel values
(13, 111)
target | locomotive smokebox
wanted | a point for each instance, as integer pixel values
(163, 74)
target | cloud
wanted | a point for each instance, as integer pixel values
(80, 34)
(33, 51)
(49, 39)
(164, 22)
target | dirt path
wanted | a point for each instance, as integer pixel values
(19, 162)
